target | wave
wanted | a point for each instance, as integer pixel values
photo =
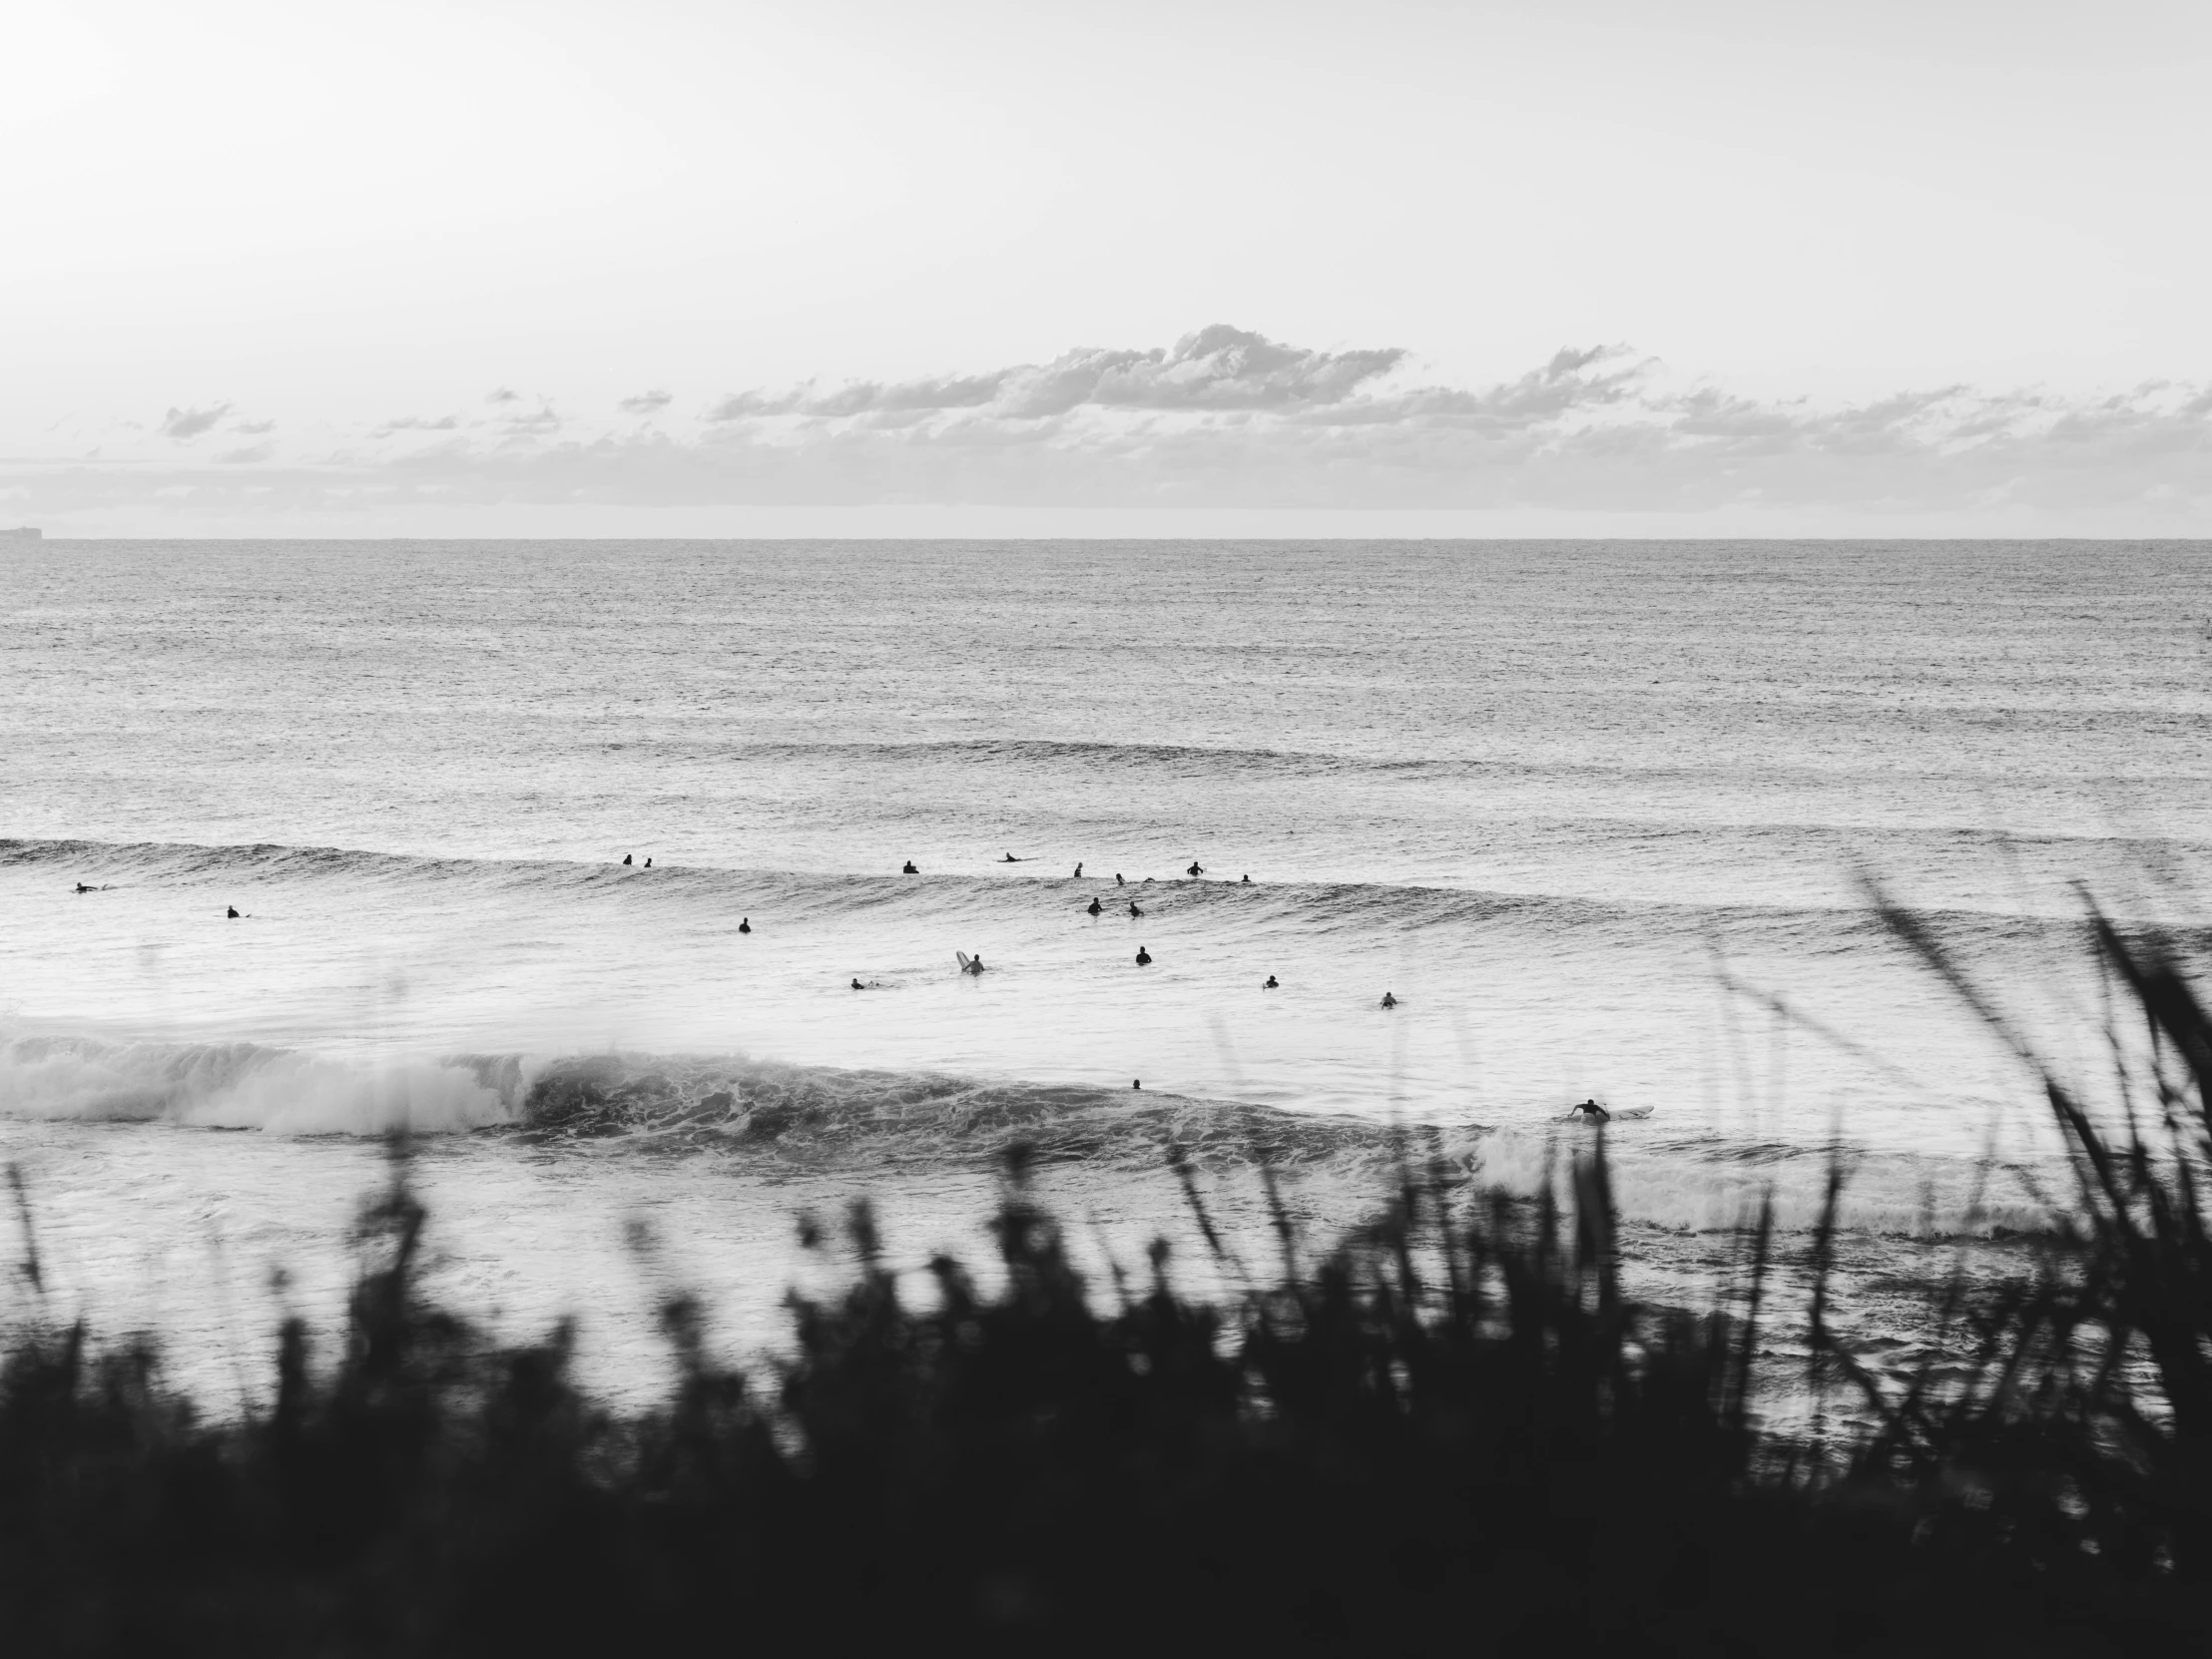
(657, 1103)
(892, 1118)
(1315, 908)
(874, 1124)
(1209, 761)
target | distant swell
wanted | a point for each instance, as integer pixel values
(1204, 761)
(1315, 908)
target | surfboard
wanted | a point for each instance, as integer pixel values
(964, 957)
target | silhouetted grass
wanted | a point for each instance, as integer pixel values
(1449, 1433)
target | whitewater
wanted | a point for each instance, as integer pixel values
(1601, 816)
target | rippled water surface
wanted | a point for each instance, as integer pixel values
(1553, 796)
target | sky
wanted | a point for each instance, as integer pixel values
(955, 265)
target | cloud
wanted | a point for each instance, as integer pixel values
(254, 428)
(1219, 367)
(540, 422)
(246, 454)
(502, 394)
(1227, 417)
(183, 425)
(417, 423)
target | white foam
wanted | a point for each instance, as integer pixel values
(239, 1086)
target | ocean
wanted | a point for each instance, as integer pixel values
(567, 856)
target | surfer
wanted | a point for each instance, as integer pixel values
(1590, 1112)
(1144, 957)
(626, 857)
(1094, 908)
(81, 887)
(1136, 1082)
(1246, 883)
(1389, 1002)
(1118, 881)
(857, 985)
(230, 913)
(745, 924)
(971, 964)
(1271, 985)
(910, 868)
(648, 863)
(1011, 859)
(1078, 876)
(1196, 869)
(1133, 911)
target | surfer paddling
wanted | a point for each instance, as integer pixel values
(1389, 1002)
(1589, 1111)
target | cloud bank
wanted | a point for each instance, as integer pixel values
(1227, 418)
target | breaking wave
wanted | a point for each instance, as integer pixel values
(239, 1086)
(879, 1123)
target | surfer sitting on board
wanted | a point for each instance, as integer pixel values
(910, 869)
(1590, 1112)
(1093, 908)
